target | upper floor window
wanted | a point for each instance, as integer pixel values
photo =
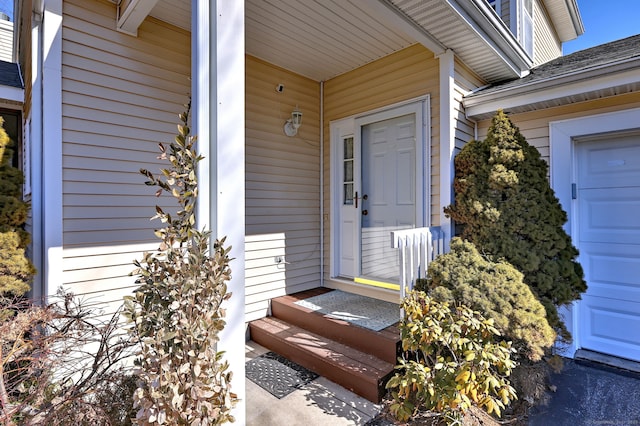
(525, 33)
(495, 4)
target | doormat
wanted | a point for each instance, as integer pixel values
(359, 310)
(277, 375)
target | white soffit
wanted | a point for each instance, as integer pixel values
(317, 39)
(324, 38)
(566, 18)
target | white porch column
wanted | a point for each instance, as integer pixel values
(447, 139)
(218, 72)
(49, 185)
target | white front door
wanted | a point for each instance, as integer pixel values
(388, 200)
(379, 181)
(608, 201)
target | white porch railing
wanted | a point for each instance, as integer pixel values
(418, 247)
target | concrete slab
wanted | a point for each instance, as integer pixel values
(591, 394)
(320, 402)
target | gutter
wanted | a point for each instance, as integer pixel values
(578, 82)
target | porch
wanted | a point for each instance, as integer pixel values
(357, 358)
(350, 339)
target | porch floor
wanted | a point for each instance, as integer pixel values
(354, 357)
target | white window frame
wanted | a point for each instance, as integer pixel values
(520, 20)
(496, 5)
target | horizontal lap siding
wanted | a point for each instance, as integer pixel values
(121, 96)
(547, 46)
(406, 74)
(282, 186)
(535, 125)
(6, 41)
(465, 81)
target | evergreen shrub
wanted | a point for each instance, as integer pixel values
(16, 270)
(497, 290)
(506, 208)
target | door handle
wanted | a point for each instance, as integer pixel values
(365, 212)
(356, 199)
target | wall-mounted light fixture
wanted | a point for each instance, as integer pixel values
(291, 125)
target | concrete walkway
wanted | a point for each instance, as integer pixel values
(588, 394)
(320, 402)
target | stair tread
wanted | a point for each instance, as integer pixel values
(383, 344)
(347, 357)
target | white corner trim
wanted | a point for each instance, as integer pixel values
(52, 146)
(447, 139)
(562, 134)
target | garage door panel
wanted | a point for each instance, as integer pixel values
(608, 208)
(612, 270)
(609, 163)
(610, 215)
(611, 326)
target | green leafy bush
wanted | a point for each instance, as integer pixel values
(495, 289)
(16, 271)
(176, 310)
(507, 209)
(452, 361)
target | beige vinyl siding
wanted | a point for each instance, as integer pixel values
(547, 45)
(282, 186)
(535, 125)
(120, 98)
(465, 81)
(406, 74)
(6, 41)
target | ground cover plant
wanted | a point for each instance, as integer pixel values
(176, 311)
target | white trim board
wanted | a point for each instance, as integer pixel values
(562, 135)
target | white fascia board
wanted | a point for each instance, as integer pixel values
(385, 11)
(131, 13)
(12, 94)
(567, 85)
(492, 31)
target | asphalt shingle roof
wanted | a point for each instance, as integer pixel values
(10, 75)
(594, 57)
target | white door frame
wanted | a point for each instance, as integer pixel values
(563, 169)
(352, 126)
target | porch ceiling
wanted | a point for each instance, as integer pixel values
(324, 38)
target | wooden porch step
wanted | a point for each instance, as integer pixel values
(383, 344)
(360, 372)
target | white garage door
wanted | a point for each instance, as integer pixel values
(609, 242)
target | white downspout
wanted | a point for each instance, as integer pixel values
(322, 184)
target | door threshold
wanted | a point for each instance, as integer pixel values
(607, 360)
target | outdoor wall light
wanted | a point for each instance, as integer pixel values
(291, 125)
